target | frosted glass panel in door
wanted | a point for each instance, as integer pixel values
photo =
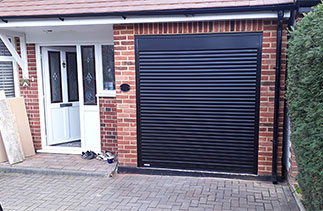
(89, 80)
(55, 76)
(72, 83)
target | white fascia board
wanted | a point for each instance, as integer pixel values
(139, 19)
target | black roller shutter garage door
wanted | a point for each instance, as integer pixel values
(198, 101)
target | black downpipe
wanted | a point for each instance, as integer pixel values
(277, 94)
(291, 23)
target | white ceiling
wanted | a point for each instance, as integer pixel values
(66, 34)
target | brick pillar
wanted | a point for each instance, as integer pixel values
(126, 101)
(30, 94)
(267, 97)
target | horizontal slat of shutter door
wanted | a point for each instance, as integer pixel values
(7, 79)
(198, 109)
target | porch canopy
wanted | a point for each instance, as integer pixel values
(40, 20)
(26, 8)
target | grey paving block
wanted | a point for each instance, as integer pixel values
(139, 192)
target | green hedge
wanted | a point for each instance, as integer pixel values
(305, 101)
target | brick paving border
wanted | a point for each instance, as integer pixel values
(59, 164)
(26, 170)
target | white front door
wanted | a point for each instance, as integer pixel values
(62, 95)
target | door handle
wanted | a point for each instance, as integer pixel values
(66, 105)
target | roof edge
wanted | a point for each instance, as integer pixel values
(165, 12)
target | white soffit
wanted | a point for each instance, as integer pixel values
(63, 34)
(137, 19)
(69, 34)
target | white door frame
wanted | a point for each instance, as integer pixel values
(47, 89)
(84, 109)
(41, 97)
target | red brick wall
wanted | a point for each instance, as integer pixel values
(125, 73)
(293, 168)
(30, 94)
(108, 121)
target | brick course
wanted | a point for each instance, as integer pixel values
(125, 73)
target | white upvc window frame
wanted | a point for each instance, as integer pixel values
(15, 69)
(99, 71)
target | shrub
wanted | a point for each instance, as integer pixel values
(305, 101)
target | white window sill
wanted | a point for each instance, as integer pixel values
(107, 94)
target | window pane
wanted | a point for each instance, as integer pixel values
(71, 64)
(55, 76)
(89, 81)
(7, 83)
(108, 67)
(3, 49)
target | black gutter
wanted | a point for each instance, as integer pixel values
(164, 12)
(305, 6)
(277, 94)
(307, 3)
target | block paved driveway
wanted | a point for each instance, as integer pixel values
(139, 192)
